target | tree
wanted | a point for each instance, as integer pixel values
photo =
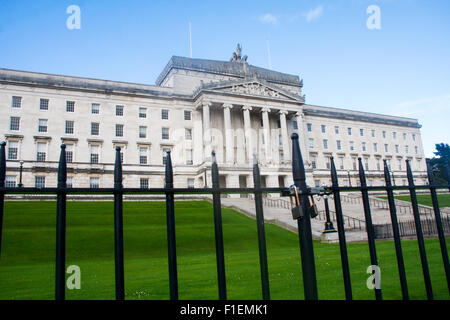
(440, 164)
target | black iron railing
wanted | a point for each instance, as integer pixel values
(303, 222)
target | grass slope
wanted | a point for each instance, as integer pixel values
(425, 199)
(28, 255)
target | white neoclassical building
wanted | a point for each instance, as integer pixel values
(196, 106)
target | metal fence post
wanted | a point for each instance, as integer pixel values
(118, 227)
(369, 225)
(437, 215)
(220, 256)
(341, 231)
(418, 224)
(396, 232)
(2, 185)
(261, 232)
(304, 223)
(170, 217)
(60, 267)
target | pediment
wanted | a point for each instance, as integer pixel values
(255, 88)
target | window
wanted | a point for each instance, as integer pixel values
(165, 133)
(39, 182)
(10, 181)
(378, 165)
(143, 155)
(13, 150)
(94, 182)
(341, 163)
(164, 114)
(69, 182)
(142, 112)
(188, 134)
(187, 115)
(119, 111)
(16, 102)
(94, 153)
(14, 123)
(189, 157)
(416, 150)
(119, 130)
(394, 135)
(311, 143)
(399, 164)
(373, 133)
(336, 129)
(406, 149)
(386, 147)
(384, 134)
(323, 128)
(70, 106)
(352, 146)
(375, 147)
(280, 140)
(165, 150)
(414, 137)
(69, 127)
(349, 130)
(95, 108)
(42, 125)
(41, 151)
(95, 128)
(317, 183)
(313, 162)
(142, 132)
(354, 163)
(396, 148)
(363, 146)
(309, 127)
(43, 104)
(325, 143)
(190, 183)
(404, 136)
(295, 125)
(366, 163)
(69, 153)
(338, 142)
(278, 124)
(361, 132)
(327, 162)
(144, 183)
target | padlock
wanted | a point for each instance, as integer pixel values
(313, 212)
(297, 209)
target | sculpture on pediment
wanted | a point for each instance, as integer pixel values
(254, 89)
(237, 55)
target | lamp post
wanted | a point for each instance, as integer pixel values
(20, 185)
(328, 224)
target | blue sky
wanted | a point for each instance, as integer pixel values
(401, 69)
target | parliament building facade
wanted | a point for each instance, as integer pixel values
(238, 110)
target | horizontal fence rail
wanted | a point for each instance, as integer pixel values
(302, 209)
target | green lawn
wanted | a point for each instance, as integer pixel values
(28, 255)
(425, 199)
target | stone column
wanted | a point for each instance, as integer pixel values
(266, 133)
(248, 133)
(206, 131)
(284, 135)
(229, 137)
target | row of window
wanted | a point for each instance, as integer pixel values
(323, 129)
(95, 108)
(340, 163)
(364, 147)
(95, 128)
(94, 153)
(94, 182)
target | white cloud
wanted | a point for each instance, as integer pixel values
(268, 18)
(314, 14)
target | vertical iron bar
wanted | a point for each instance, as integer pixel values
(341, 231)
(60, 267)
(118, 227)
(170, 216)
(220, 256)
(437, 215)
(421, 243)
(369, 225)
(261, 232)
(2, 185)
(304, 223)
(396, 232)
